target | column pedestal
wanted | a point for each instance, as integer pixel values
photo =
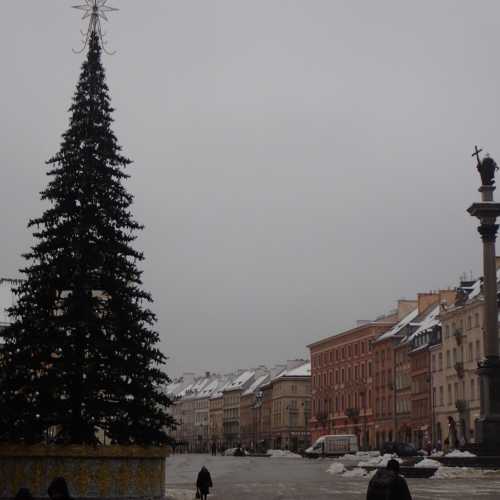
(488, 424)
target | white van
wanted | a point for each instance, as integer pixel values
(333, 445)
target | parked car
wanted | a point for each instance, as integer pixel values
(333, 445)
(400, 449)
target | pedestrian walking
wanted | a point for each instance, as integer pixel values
(203, 483)
(388, 484)
(58, 489)
(214, 449)
(23, 494)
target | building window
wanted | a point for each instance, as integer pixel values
(343, 352)
(440, 361)
(441, 395)
(476, 319)
(349, 351)
(472, 389)
(356, 349)
(362, 347)
(448, 359)
(469, 322)
(455, 387)
(450, 396)
(478, 349)
(363, 371)
(369, 368)
(433, 363)
(470, 353)
(447, 331)
(337, 377)
(342, 376)
(454, 355)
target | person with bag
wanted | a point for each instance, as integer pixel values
(203, 483)
(388, 484)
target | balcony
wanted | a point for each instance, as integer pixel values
(459, 368)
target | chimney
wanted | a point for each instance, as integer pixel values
(425, 300)
(447, 298)
(405, 307)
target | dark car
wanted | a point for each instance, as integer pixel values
(400, 449)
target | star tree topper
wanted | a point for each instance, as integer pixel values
(96, 10)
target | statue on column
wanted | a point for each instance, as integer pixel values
(486, 168)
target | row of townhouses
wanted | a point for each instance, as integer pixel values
(258, 408)
(409, 376)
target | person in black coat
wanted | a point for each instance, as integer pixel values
(204, 483)
(388, 484)
(58, 489)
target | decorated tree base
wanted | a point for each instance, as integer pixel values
(108, 472)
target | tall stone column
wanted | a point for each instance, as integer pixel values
(488, 425)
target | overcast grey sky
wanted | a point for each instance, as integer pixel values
(299, 165)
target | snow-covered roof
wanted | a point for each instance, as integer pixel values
(187, 390)
(428, 321)
(397, 328)
(301, 371)
(210, 388)
(241, 381)
(224, 382)
(256, 384)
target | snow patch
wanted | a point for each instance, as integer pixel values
(380, 461)
(336, 468)
(428, 462)
(463, 473)
(458, 453)
(356, 472)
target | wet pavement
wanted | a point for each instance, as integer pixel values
(245, 478)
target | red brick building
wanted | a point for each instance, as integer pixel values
(342, 380)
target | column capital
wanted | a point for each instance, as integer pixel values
(488, 232)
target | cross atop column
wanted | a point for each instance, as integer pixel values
(476, 154)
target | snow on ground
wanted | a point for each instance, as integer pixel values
(428, 462)
(282, 454)
(359, 472)
(380, 461)
(336, 468)
(461, 454)
(464, 473)
(339, 469)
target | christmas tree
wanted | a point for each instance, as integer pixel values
(81, 354)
